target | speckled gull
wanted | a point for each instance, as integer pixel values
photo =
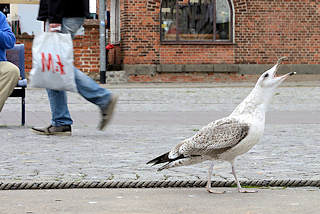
(229, 137)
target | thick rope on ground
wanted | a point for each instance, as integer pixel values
(155, 184)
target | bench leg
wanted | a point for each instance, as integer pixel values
(23, 111)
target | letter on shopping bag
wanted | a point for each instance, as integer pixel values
(49, 64)
(43, 60)
(60, 65)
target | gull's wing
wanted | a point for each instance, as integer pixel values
(216, 137)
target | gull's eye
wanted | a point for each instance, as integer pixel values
(266, 75)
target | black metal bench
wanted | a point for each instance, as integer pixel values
(16, 56)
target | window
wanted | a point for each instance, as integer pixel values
(196, 21)
(93, 9)
(115, 21)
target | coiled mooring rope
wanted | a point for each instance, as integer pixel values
(155, 184)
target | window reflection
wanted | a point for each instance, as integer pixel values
(195, 20)
(168, 17)
(222, 20)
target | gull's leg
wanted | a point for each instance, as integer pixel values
(238, 184)
(208, 187)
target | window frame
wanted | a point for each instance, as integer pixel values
(213, 41)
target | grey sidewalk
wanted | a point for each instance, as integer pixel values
(160, 201)
(149, 120)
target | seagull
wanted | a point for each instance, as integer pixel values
(231, 136)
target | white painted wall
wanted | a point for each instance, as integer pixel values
(27, 15)
(93, 6)
(28, 18)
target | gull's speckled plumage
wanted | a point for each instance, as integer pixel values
(213, 139)
(229, 137)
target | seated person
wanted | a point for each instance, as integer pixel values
(9, 73)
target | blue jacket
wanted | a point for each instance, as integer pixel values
(7, 38)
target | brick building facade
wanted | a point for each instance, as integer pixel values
(259, 32)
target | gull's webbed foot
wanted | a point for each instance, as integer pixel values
(247, 190)
(215, 191)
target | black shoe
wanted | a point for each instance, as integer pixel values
(53, 130)
(107, 112)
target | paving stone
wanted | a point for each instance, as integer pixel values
(151, 119)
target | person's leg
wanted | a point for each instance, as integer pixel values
(59, 108)
(58, 99)
(91, 91)
(9, 76)
(102, 97)
(71, 25)
(87, 87)
(60, 117)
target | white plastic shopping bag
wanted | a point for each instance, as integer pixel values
(52, 62)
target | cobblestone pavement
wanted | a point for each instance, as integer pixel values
(149, 120)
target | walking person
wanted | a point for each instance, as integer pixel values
(9, 73)
(69, 17)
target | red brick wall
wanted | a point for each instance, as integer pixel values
(87, 50)
(268, 29)
(196, 54)
(140, 32)
(27, 41)
(264, 30)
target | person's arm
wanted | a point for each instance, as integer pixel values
(7, 38)
(55, 10)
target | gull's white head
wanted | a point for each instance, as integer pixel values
(261, 94)
(269, 80)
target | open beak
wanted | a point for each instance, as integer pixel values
(275, 68)
(286, 75)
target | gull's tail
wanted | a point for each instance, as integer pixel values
(179, 161)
